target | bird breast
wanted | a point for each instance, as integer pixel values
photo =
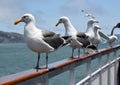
(35, 43)
(38, 45)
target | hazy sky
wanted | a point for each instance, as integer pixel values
(47, 13)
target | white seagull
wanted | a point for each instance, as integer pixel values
(90, 31)
(40, 41)
(87, 14)
(79, 39)
(97, 39)
(110, 39)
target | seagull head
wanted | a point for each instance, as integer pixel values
(92, 21)
(26, 18)
(62, 19)
(96, 27)
(117, 25)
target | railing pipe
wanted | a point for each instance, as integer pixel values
(99, 67)
(56, 68)
(108, 73)
(72, 75)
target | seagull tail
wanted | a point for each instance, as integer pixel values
(67, 40)
(93, 47)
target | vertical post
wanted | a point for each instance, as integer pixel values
(72, 75)
(100, 65)
(115, 69)
(44, 79)
(108, 74)
(118, 73)
(89, 70)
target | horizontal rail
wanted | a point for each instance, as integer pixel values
(98, 71)
(54, 68)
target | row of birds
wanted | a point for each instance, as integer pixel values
(44, 41)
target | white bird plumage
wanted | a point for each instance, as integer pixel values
(97, 39)
(38, 40)
(79, 39)
(87, 14)
(70, 31)
(90, 31)
(110, 39)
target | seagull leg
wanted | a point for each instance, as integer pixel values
(78, 52)
(97, 48)
(46, 60)
(37, 65)
(72, 52)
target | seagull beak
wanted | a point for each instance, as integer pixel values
(17, 21)
(96, 21)
(114, 27)
(57, 24)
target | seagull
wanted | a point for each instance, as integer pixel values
(38, 40)
(110, 39)
(87, 14)
(116, 26)
(97, 39)
(90, 32)
(79, 39)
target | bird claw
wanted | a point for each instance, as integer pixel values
(39, 68)
(71, 57)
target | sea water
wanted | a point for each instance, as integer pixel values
(18, 57)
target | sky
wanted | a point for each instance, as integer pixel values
(48, 12)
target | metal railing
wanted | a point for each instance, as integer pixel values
(104, 75)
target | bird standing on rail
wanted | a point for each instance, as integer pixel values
(97, 39)
(40, 41)
(90, 32)
(79, 39)
(110, 39)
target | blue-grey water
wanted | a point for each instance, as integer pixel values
(18, 57)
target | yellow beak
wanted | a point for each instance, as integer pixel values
(57, 23)
(100, 28)
(96, 21)
(17, 21)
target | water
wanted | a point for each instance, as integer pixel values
(18, 57)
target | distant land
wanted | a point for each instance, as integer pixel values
(11, 37)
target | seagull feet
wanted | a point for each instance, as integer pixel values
(39, 68)
(87, 53)
(74, 57)
(97, 50)
(71, 57)
(79, 57)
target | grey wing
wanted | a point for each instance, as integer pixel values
(82, 35)
(55, 41)
(103, 35)
(84, 41)
(47, 33)
(83, 38)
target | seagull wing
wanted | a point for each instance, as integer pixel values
(47, 33)
(104, 35)
(83, 39)
(82, 35)
(55, 41)
(52, 39)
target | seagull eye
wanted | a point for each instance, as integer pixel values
(24, 17)
(60, 19)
